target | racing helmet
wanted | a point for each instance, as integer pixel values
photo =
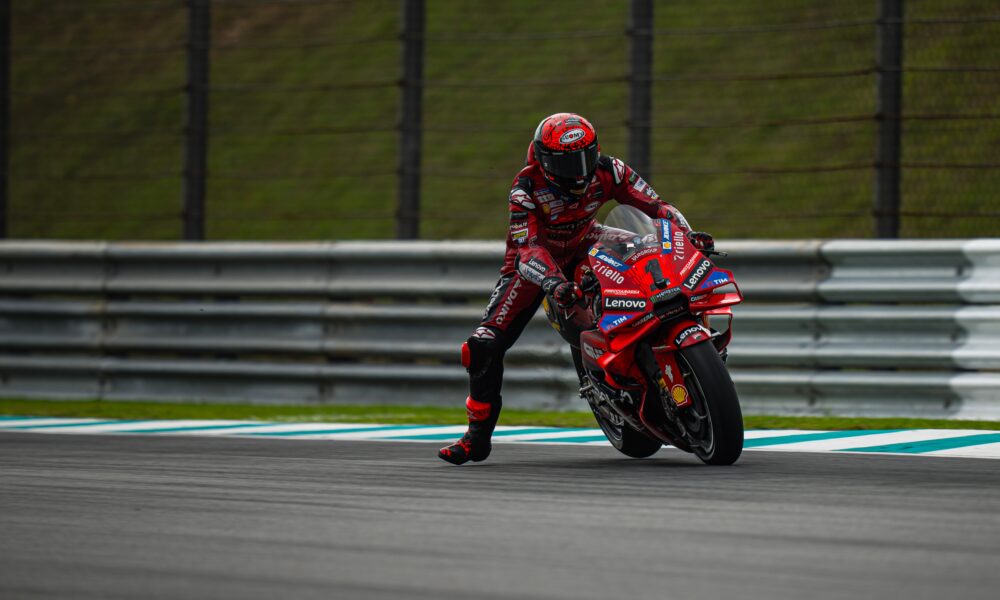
(566, 147)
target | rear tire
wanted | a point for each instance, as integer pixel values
(625, 439)
(714, 396)
(622, 436)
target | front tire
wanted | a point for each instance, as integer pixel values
(714, 418)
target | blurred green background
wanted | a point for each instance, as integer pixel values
(763, 114)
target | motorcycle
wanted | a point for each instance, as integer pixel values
(650, 365)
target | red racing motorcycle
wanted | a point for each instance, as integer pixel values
(651, 368)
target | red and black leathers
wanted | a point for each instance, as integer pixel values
(550, 227)
(549, 234)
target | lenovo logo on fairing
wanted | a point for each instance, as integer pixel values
(698, 274)
(626, 304)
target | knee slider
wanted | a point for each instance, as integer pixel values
(481, 349)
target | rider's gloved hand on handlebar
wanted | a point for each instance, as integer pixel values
(563, 292)
(701, 240)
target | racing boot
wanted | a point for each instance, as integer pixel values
(475, 444)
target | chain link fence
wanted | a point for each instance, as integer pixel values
(764, 117)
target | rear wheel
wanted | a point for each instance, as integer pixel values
(714, 419)
(624, 437)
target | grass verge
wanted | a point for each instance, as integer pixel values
(420, 415)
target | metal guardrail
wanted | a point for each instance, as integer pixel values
(842, 327)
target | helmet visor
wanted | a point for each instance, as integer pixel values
(576, 164)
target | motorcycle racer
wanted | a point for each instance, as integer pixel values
(552, 204)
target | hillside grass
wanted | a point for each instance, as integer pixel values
(292, 156)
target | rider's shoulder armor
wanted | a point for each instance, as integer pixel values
(521, 191)
(613, 165)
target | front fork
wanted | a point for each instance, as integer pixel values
(670, 396)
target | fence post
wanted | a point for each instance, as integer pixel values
(888, 113)
(196, 119)
(4, 113)
(640, 33)
(410, 121)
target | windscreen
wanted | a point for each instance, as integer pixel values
(627, 231)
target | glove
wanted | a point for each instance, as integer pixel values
(563, 292)
(701, 240)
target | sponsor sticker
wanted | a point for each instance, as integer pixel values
(715, 279)
(538, 265)
(592, 206)
(608, 259)
(573, 135)
(639, 185)
(592, 352)
(671, 312)
(615, 276)
(531, 274)
(642, 254)
(679, 395)
(617, 292)
(521, 198)
(508, 303)
(666, 294)
(564, 226)
(615, 304)
(618, 167)
(694, 329)
(665, 238)
(553, 208)
(519, 235)
(689, 265)
(643, 319)
(609, 322)
(680, 244)
(698, 274)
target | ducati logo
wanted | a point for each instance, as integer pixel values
(509, 302)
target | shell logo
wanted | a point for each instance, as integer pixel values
(680, 395)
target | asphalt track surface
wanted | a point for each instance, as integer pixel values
(172, 517)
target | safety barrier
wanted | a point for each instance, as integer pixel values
(841, 327)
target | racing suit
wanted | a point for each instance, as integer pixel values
(550, 233)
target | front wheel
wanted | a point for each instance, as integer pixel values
(714, 419)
